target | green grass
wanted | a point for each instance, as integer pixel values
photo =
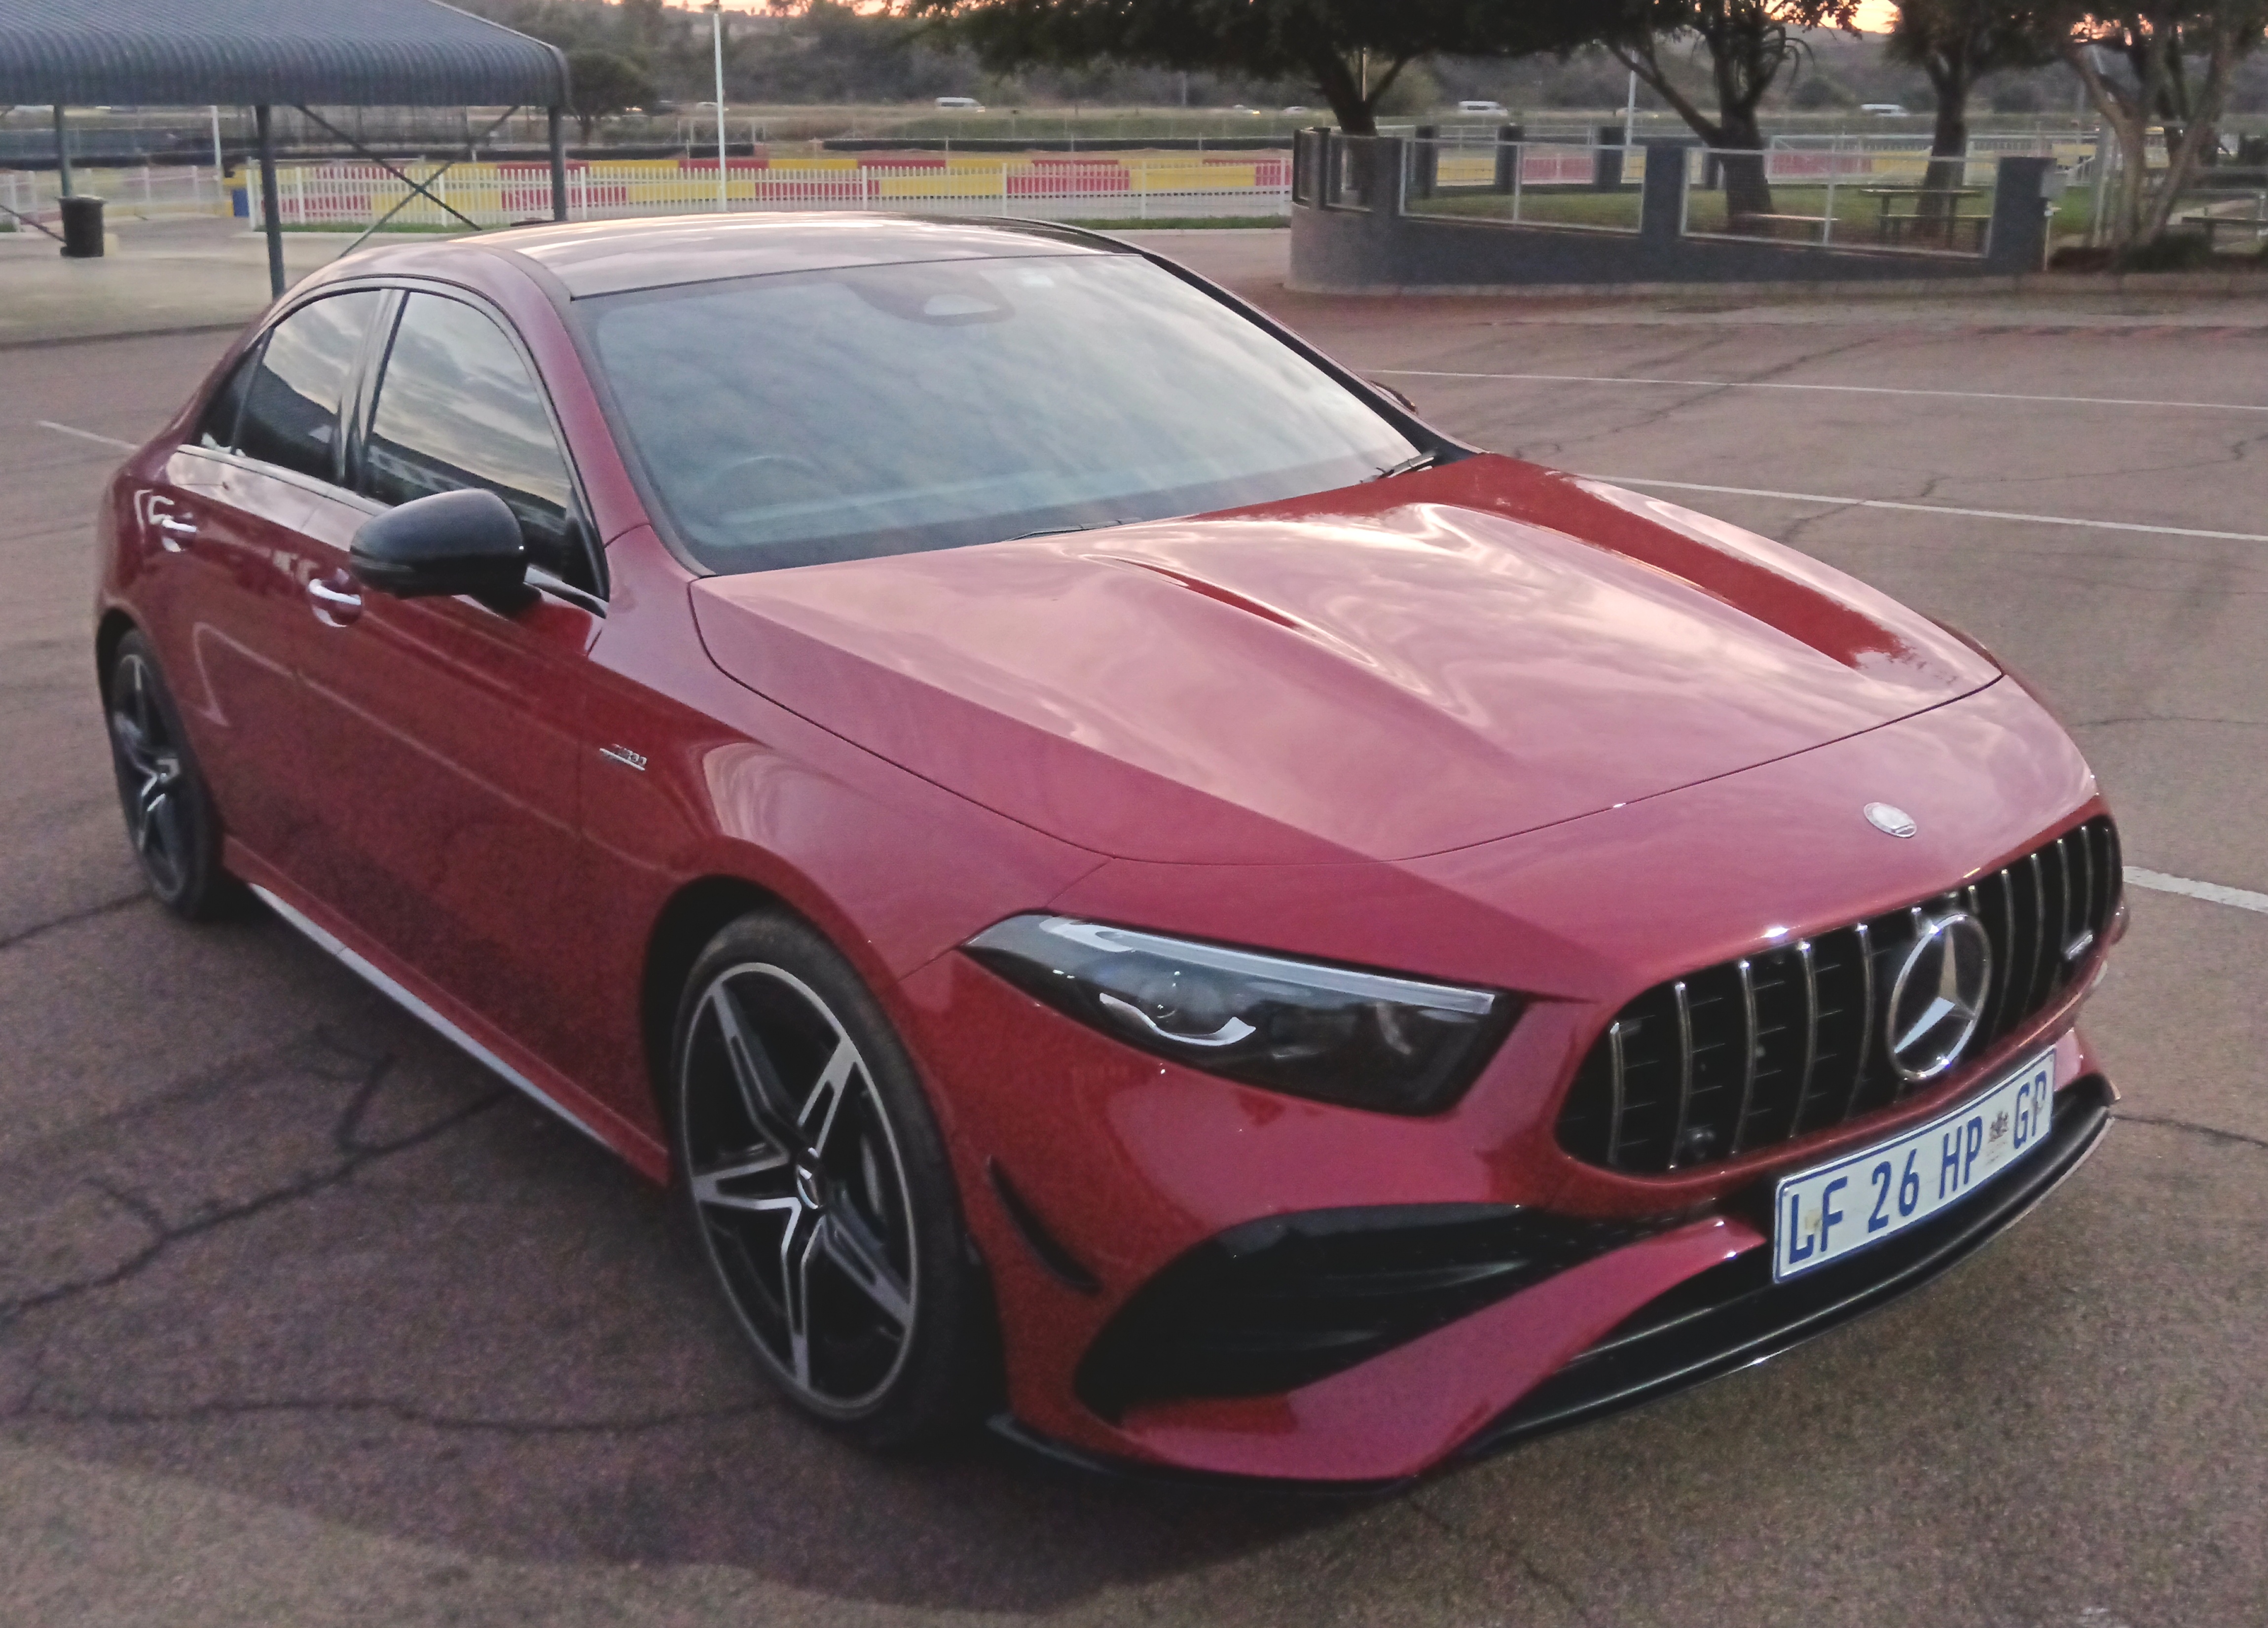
(1542, 206)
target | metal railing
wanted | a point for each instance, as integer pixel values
(149, 193)
(1836, 196)
(1133, 188)
(1540, 183)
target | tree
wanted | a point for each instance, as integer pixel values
(1749, 43)
(2152, 41)
(1351, 52)
(600, 82)
(1957, 42)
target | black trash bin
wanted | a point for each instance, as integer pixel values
(83, 228)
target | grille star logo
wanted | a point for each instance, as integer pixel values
(1939, 997)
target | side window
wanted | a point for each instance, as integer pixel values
(217, 428)
(457, 408)
(291, 407)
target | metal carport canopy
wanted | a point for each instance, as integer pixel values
(261, 53)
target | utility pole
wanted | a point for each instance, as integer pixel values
(1630, 116)
(716, 42)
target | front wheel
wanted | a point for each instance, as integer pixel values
(818, 1182)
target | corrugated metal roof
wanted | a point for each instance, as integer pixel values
(336, 53)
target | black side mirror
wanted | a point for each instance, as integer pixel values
(453, 542)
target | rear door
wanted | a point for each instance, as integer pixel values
(444, 733)
(230, 599)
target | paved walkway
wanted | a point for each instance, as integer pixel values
(159, 277)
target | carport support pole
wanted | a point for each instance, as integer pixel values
(271, 207)
(63, 154)
(559, 165)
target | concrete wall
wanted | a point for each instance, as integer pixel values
(1337, 249)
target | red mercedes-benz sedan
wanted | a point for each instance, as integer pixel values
(1138, 891)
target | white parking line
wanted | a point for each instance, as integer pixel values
(1932, 508)
(1773, 384)
(87, 435)
(2213, 892)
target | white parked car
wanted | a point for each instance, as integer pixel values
(1480, 107)
(961, 104)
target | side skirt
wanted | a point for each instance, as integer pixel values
(572, 1104)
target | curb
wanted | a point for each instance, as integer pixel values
(52, 341)
(2218, 284)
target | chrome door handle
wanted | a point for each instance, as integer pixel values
(336, 607)
(179, 527)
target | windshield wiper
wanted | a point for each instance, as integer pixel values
(1410, 465)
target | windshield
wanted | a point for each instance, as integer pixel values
(809, 416)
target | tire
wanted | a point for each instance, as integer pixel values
(814, 1174)
(170, 818)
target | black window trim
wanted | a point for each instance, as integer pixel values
(359, 395)
(251, 356)
(364, 399)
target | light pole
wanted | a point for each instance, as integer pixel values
(716, 42)
(1630, 116)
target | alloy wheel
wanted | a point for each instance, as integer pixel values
(150, 777)
(799, 1187)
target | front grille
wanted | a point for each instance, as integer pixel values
(1754, 1052)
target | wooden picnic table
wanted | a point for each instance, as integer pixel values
(1947, 222)
(2254, 223)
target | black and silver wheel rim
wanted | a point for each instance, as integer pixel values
(799, 1187)
(150, 776)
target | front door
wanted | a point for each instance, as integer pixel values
(446, 732)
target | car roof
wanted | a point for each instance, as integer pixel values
(615, 256)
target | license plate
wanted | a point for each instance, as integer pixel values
(1824, 1214)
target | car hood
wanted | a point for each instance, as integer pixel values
(1397, 669)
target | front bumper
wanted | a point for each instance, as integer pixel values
(1724, 1317)
(1734, 1316)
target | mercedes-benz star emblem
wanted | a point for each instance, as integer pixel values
(1938, 996)
(1889, 818)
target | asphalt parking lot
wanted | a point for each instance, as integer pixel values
(305, 1319)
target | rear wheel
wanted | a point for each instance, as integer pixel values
(818, 1182)
(169, 813)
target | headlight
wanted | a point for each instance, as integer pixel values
(1395, 1044)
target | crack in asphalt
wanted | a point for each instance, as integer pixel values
(1542, 1578)
(1652, 417)
(353, 1155)
(87, 913)
(1802, 523)
(2212, 1131)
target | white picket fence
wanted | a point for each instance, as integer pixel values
(150, 193)
(496, 195)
